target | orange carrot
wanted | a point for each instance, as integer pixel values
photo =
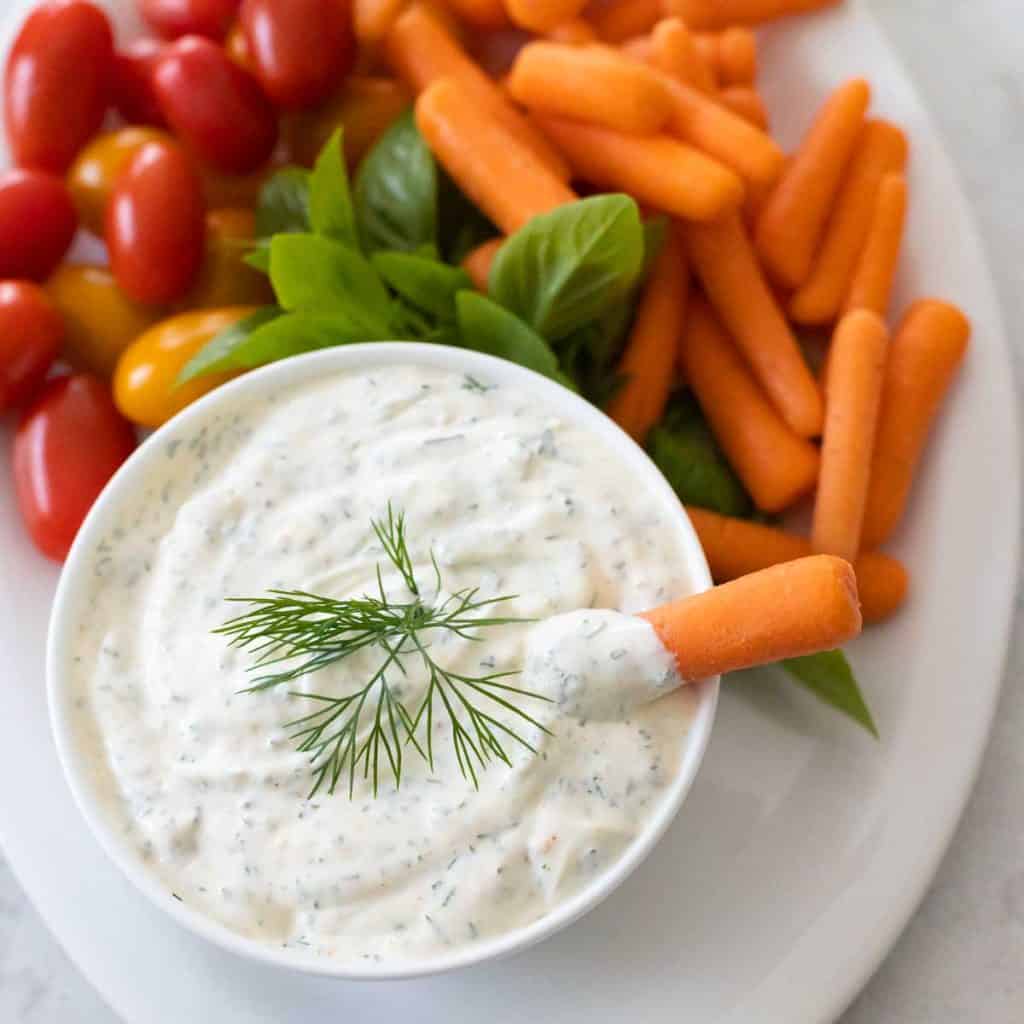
(876, 270)
(595, 84)
(736, 547)
(924, 355)
(746, 103)
(483, 14)
(706, 45)
(502, 177)
(372, 19)
(785, 611)
(576, 32)
(856, 369)
(478, 263)
(619, 20)
(882, 150)
(737, 57)
(723, 258)
(421, 50)
(649, 359)
(791, 224)
(776, 465)
(701, 121)
(655, 169)
(717, 14)
(543, 15)
(673, 50)
(639, 49)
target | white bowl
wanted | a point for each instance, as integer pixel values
(73, 585)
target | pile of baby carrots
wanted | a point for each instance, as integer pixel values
(658, 99)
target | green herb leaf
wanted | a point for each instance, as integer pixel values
(486, 327)
(396, 191)
(569, 267)
(259, 258)
(461, 226)
(284, 203)
(317, 275)
(427, 284)
(685, 451)
(829, 677)
(218, 354)
(330, 203)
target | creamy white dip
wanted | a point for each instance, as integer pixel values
(204, 782)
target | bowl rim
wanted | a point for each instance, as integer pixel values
(289, 373)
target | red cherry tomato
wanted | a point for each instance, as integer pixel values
(31, 331)
(174, 18)
(155, 224)
(131, 86)
(217, 108)
(67, 447)
(300, 49)
(37, 223)
(56, 83)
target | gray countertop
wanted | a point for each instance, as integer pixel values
(962, 957)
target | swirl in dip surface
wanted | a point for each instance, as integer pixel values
(204, 783)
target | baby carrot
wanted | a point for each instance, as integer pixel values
(776, 465)
(575, 32)
(372, 19)
(724, 261)
(746, 103)
(482, 14)
(736, 547)
(655, 169)
(500, 175)
(856, 369)
(737, 57)
(478, 263)
(595, 84)
(785, 611)
(701, 121)
(619, 20)
(650, 355)
(792, 221)
(716, 14)
(542, 15)
(639, 49)
(673, 50)
(421, 50)
(882, 150)
(924, 356)
(706, 45)
(876, 270)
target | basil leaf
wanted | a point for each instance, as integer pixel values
(259, 258)
(396, 191)
(216, 355)
(685, 451)
(461, 226)
(570, 266)
(330, 204)
(829, 677)
(486, 327)
(284, 203)
(427, 284)
(317, 275)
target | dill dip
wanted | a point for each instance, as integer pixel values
(205, 783)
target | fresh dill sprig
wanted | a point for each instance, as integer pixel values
(293, 633)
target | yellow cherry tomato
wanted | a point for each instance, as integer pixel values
(225, 279)
(144, 381)
(100, 320)
(91, 177)
(365, 106)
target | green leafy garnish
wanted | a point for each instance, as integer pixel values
(222, 352)
(330, 204)
(284, 203)
(428, 284)
(294, 633)
(830, 678)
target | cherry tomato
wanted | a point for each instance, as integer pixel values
(300, 49)
(37, 223)
(144, 381)
(155, 224)
(100, 321)
(217, 108)
(225, 279)
(91, 178)
(174, 18)
(67, 447)
(131, 86)
(56, 86)
(30, 335)
(237, 48)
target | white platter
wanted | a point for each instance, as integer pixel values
(804, 846)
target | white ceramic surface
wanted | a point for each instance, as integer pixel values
(76, 585)
(802, 848)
